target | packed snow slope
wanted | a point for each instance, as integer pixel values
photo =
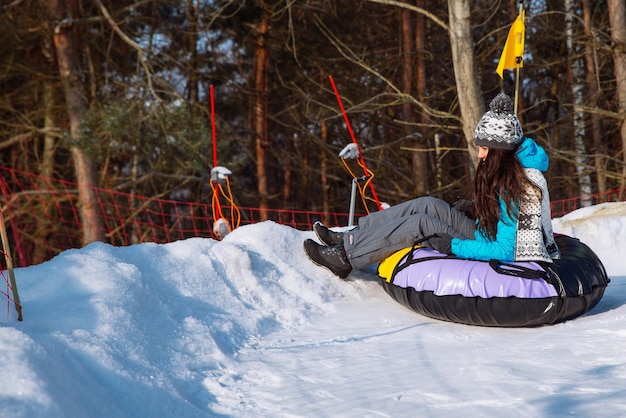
(248, 327)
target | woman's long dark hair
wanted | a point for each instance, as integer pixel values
(499, 175)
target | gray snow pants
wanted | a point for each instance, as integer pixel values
(382, 233)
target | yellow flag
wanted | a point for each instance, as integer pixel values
(514, 46)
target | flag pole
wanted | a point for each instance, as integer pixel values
(518, 60)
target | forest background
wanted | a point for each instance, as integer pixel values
(114, 94)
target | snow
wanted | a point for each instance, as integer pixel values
(248, 327)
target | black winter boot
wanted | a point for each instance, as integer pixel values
(327, 236)
(333, 257)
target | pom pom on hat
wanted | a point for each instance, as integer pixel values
(499, 127)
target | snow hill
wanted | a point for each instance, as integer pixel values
(248, 327)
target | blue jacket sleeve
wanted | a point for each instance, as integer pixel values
(481, 248)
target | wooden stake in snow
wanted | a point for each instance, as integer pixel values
(9, 260)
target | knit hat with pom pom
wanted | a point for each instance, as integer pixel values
(499, 127)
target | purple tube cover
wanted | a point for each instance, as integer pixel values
(471, 278)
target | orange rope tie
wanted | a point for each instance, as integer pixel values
(235, 213)
(216, 209)
(362, 188)
(217, 213)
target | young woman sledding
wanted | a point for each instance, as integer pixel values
(510, 202)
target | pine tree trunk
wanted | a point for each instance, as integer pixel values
(617, 21)
(76, 102)
(406, 30)
(420, 86)
(261, 63)
(46, 170)
(592, 94)
(577, 85)
(323, 172)
(467, 86)
(408, 64)
(46, 167)
(288, 170)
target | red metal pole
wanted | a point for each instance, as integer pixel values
(213, 126)
(361, 160)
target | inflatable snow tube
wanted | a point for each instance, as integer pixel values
(490, 293)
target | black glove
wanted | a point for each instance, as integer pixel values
(465, 206)
(441, 243)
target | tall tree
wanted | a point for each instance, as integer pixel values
(577, 86)
(409, 71)
(592, 94)
(617, 19)
(465, 74)
(420, 160)
(260, 113)
(62, 14)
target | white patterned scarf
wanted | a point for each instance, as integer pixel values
(535, 238)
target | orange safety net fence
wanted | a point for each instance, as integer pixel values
(42, 219)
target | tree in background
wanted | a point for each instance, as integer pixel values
(466, 76)
(62, 14)
(260, 113)
(617, 19)
(590, 46)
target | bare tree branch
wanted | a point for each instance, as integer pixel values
(414, 9)
(131, 43)
(352, 57)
